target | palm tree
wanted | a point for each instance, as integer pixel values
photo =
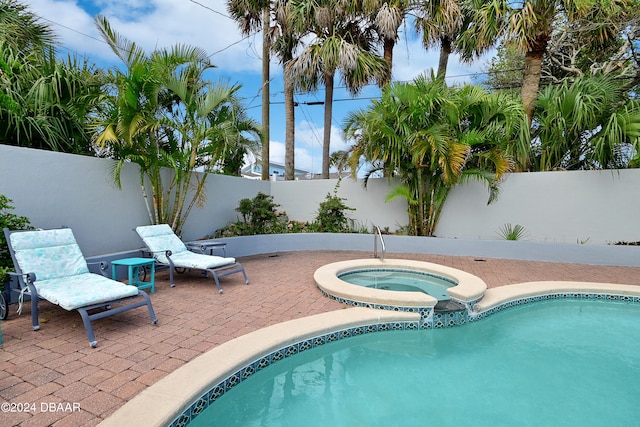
(386, 16)
(341, 42)
(441, 23)
(431, 137)
(528, 25)
(43, 101)
(253, 16)
(585, 124)
(163, 115)
(22, 31)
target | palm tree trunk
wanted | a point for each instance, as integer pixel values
(443, 61)
(289, 116)
(266, 49)
(328, 113)
(388, 56)
(531, 80)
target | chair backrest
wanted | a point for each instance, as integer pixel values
(160, 238)
(47, 253)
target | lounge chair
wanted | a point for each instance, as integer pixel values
(169, 250)
(49, 265)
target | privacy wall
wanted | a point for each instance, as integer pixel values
(55, 189)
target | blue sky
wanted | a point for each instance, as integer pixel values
(203, 23)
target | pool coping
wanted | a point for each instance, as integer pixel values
(161, 403)
(469, 287)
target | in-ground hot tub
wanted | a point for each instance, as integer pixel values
(465, 288)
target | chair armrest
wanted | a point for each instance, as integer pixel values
(103, 266)
(24, 279)
(153, 253)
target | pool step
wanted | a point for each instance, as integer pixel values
(448, 306)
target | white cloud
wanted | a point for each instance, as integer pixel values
(155, 24)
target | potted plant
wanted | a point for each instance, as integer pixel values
(12, 222)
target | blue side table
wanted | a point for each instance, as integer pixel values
(134, 265)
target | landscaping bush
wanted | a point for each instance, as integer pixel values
(260, 216)
(12, 222)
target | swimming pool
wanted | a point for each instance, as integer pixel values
(554, 362)
(401, 280)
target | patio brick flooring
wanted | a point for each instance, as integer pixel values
(56, 365)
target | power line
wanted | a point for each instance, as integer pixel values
(212, 10)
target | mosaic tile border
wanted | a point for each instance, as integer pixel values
(242, 374)
(475, 316)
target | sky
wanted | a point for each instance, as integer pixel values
(205, 23)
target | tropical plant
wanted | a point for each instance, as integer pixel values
(340, 42)
(386, 18)
(43, 101)
(164, 117)
(585, 124)
(331, 216)
(340, 161)
(432, 137)
(12, 222)
(512, 232)
(441, 23)
(528, 26)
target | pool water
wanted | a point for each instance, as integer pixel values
(400, 280)
(560, 362)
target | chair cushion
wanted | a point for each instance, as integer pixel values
(82, 290)
(200, 261)
(48, 253)
(159, 239)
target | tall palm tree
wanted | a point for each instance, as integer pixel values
(528, 25)
(441, 23)
(340, 43)
(386, 17)
(431, 137)
(253, 16)
(286, 41)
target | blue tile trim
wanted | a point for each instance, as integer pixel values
(560, 295)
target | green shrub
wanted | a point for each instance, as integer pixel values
(332, 217)
(259, 216)
(12, 222)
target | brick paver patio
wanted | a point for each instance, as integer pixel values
(53, 372)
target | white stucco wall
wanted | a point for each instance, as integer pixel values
(598, 207)
(55, 189)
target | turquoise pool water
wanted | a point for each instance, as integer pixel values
(400, 280)
(560, 362)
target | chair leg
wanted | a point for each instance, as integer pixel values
(152, 314)
(215, 277)
(35, 323)
(246, 279)
(88, 327)
(171, 282)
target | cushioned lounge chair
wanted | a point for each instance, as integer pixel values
(169, 250)
(49, 265)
